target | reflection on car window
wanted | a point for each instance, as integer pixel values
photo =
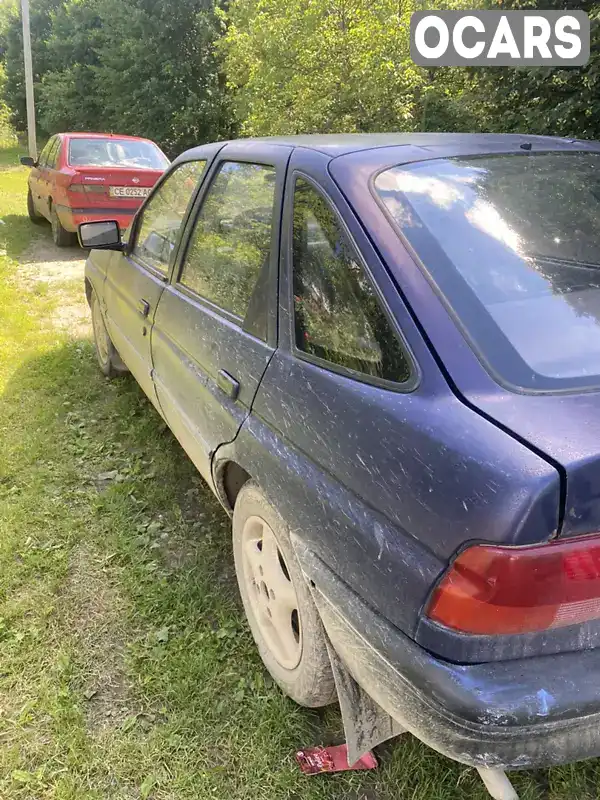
(42, 160)
(231, 242)
(513, 243)
(116, 153)
(163, 215)
(337, 314)
(53, 154)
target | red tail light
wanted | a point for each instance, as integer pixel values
(501, 590)
(82, 188)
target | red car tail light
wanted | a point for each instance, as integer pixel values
(506, 590)
(82, 188)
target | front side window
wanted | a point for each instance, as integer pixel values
(231, 243)
(337, 314)
(163, 216)
(513, 243)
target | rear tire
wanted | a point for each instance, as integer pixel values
(108, 358)
(280, 609)
(60, 236)
(33, 214)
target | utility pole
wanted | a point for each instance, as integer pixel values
(28, 80)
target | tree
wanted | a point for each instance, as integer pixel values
(145, 67)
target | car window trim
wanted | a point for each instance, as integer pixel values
(219, 159)
(129, 252)
(404, 387)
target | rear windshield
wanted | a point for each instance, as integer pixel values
(513, 243)
(116, 153)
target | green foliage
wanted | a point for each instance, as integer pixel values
(556, 102)
(333, 65)
(7, 133)
(144, 67)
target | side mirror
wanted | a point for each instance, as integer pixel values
(100, 235)
(28, 161)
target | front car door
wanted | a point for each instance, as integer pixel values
(37, 178)
(135, 281)
(48, 189)
(215, 328)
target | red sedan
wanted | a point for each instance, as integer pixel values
(82, 177)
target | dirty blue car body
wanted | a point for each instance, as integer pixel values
(455, 413)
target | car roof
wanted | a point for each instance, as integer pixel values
(339, 144)
(92, 135)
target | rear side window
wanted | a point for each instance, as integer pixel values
(43, 159)
(513, 243)
(337, 315)
(230, 246)
(53, 154)
(163, 215)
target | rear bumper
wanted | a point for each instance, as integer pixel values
(71, 218)
(512, 714)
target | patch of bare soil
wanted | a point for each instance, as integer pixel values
(60, 271)
(93, 609)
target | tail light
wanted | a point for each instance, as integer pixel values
(506, 590)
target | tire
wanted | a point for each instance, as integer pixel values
(60, 236)
(291, 643)
(108, 358)
(33, 214)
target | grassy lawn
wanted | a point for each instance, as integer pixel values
(126, 669)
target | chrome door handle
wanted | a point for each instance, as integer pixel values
(144, 307)
(228, 384)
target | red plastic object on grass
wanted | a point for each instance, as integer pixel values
(314, 760)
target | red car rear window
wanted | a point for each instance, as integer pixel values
(129, 153)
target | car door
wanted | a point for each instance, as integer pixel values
(215, 327)
(37, 178)
(135, 281)
(49, 175)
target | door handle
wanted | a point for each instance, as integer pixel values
(228, 384)
(144, 307)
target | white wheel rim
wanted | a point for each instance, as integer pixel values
(100, 333)
(271, 592)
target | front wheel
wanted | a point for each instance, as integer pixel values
(61, 236)
(281, 613)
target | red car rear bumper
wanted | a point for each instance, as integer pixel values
(71, 218)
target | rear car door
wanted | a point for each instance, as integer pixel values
(215, 328)
(135, 281)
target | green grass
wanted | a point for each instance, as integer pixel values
(9, 156)
(126, 669)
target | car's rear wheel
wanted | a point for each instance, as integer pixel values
(106, 353)
(33, 214)
(281, 613)
(60, 236)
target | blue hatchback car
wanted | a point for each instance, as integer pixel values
(382, 353)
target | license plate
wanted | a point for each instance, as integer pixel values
(128, 191)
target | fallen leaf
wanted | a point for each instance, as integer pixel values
(148, 784)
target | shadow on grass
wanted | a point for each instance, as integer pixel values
(219, 727)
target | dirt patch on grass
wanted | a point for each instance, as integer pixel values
(59, 272)
(94, 610)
